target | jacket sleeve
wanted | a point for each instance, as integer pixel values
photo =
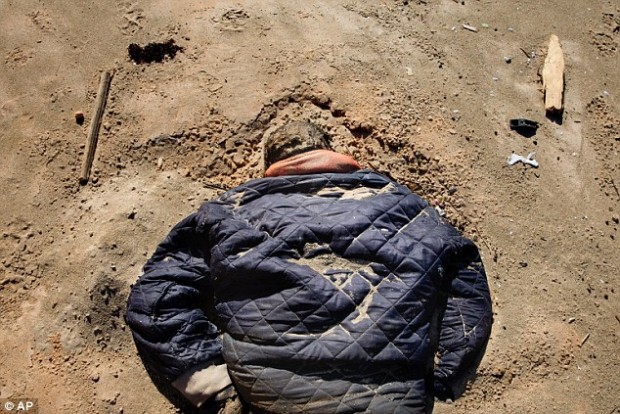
(169, 305)
(465, 328)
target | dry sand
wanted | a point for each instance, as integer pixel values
(401, 85)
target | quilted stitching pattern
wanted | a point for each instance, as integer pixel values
(305, 330)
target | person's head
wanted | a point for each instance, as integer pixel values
(293, 138)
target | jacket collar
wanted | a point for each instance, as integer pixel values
(313, 162)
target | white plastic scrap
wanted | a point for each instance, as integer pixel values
(515, 158)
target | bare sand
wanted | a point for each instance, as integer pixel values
(401, 85)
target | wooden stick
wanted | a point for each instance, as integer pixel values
(95, 125)
(553, 77)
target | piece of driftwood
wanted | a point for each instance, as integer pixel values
(95, 125)
(553, 77)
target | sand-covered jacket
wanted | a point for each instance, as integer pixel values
(321, 293)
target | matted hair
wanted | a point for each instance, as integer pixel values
(291, 139)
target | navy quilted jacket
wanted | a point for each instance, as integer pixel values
(326, 293)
